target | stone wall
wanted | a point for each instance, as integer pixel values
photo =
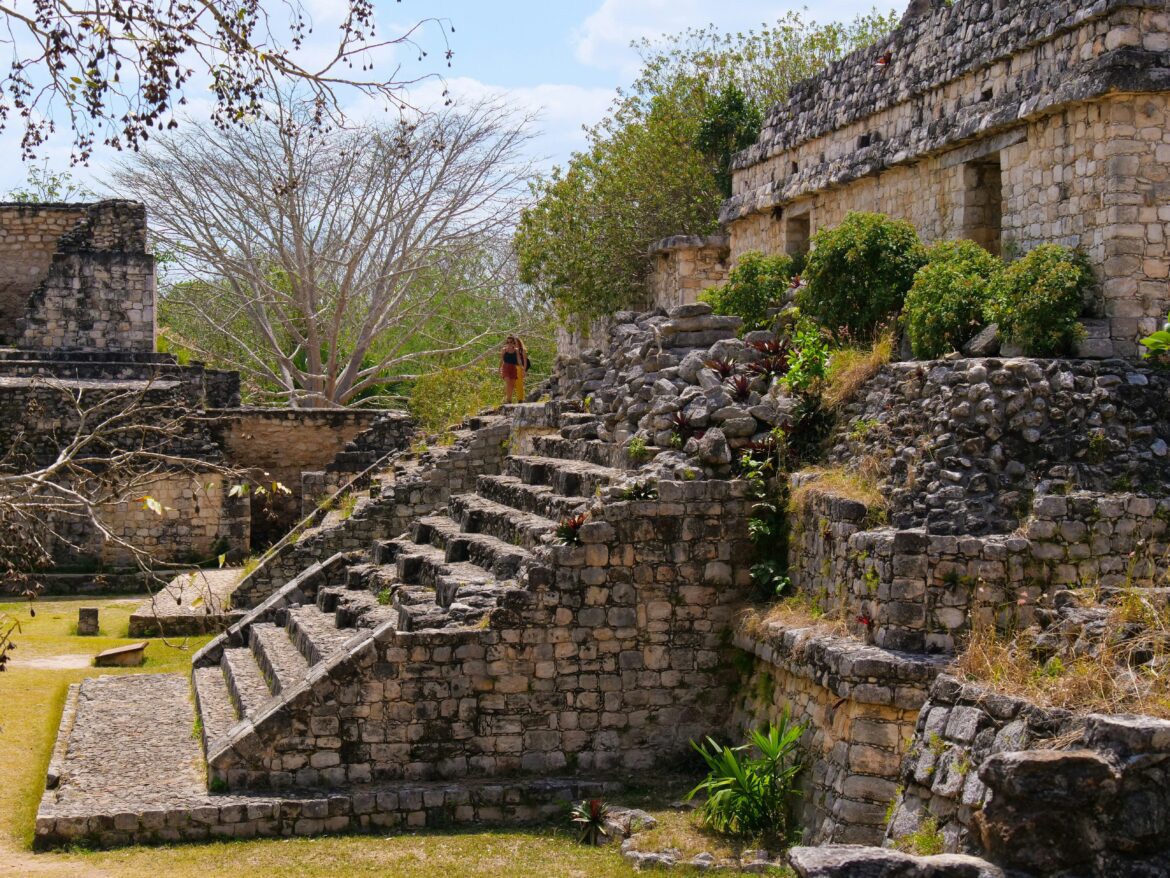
(98, 292)
(280, 445)
(685, 265)
(28, 240)
(1012, 124)
(1039, 790)
(859, 705)
(610, 658)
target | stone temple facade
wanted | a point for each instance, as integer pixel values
(1009, 122)
(77, 326)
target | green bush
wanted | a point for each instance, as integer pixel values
(858, 273)
(757, 283)
(1037, 299)
(945, 305)
(751, 793)
(446, 397)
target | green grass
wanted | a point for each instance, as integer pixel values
(30, 708)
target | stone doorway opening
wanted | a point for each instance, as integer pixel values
(983, 202)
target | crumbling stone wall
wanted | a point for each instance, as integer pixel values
(683, 266)
(28, 240)
(1011, 123)
(859, 705)
(1039, 790)
(612, 657)
(98, 293)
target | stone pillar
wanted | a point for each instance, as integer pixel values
(87, 622)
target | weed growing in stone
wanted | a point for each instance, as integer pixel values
(750, 789)
(385, 597)
(568, 532)
(926, 841)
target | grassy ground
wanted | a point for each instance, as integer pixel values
(30, 708)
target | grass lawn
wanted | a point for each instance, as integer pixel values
(30, 707)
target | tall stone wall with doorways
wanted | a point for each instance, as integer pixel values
(683, 266)
(1009, 123)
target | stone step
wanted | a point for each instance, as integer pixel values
(539, 500)
(516, 527)
(571, 478)
(425, 565)
(589, 450)
(214, 704)
(502, 560)
(278, 657)
(315, 633)
(245, 681)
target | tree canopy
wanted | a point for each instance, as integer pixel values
(115, 71)
(324, 264)
(658, 163)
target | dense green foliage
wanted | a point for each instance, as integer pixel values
(1037, 299)
(1157, 345)
(755, 284)
(945, 305)
(657, 165)
(750, 789)
(731, 122)
(859, 272)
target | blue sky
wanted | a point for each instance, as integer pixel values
(560, 58)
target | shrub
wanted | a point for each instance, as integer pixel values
(757, 283)
(946, 303)
(1157, 345)
(858, 273)
(1037, 299)
(590, 816)
(750, 793)
(447, 396)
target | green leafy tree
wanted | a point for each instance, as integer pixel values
(1038, 299)
(859, 272)
(756, 284)
(657, 164)
(945, 305)
(731, 122)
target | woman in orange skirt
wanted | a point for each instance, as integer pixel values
(513, 365)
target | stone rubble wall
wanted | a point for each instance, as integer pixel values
(1039, 790)
(683, 266)
(612, 657)
(1027, 105)
(859, 704)
(28, 240)
(98, 293)
(413, 490)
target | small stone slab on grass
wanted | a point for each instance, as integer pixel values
(132, 655)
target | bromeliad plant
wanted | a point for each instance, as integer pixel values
(721, 366)
(751, 789)
(590, 816)
(568, 532)
(739, 386)
(774, 359)
(682, 425)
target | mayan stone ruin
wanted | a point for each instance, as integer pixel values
(556, 600)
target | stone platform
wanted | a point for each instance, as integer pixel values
(128, 770)
(191, 603)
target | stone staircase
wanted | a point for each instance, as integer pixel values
(450, 570)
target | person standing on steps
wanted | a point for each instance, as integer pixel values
(513, 365)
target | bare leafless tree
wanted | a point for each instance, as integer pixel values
(83, 453)
(117, 70)
(332, 259)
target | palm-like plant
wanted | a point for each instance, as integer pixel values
(750, 788)
(721, 366)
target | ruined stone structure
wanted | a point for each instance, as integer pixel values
(1009, 122)
(77, 326)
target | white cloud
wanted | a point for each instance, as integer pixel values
(603, 39)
